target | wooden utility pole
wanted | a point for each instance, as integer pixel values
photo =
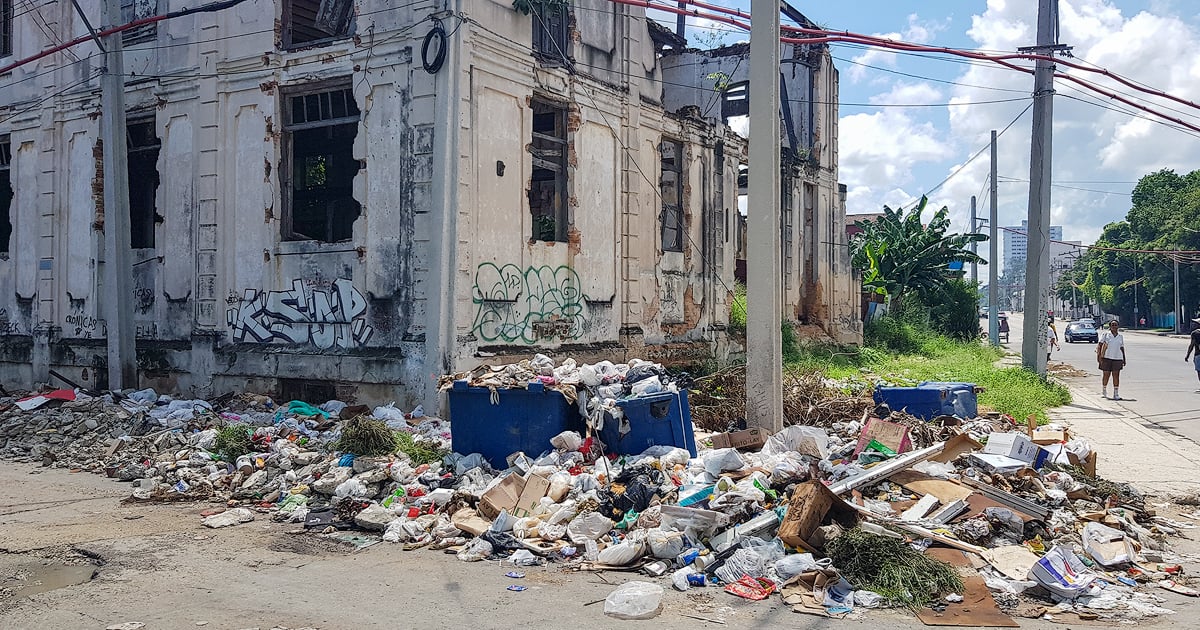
(764, 304)
(117, 294)
(1037, 267)
(993, 255)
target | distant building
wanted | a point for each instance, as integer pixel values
(852, 219)
(1016, 242)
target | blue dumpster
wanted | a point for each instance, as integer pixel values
(931, 399)
(524, 420)
(655, 420)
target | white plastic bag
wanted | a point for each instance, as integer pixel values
(621, 554)
(589, 526)
(634, 600)
(868, 599)
(390, 415)
(722, 460)
(476, 550)
(665, 545)
(351, 488)
(795, 564)
(811, 441)
(567, 441)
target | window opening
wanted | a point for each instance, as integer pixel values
(670, 185)
(135, 10)
(320, 167)
(6, 27)
(144, 147)
(308, 22)
(551, 30)
(735, 101)
(548, 181)
(6, 194)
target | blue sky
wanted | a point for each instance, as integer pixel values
(890, 154)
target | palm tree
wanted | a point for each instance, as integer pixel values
(898, 255)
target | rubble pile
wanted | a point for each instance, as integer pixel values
(871, 508)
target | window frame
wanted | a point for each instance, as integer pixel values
(7, 11)
(557, 164)
(671, 216)
(551, 36)
(287, 146)
(6, 211)
(144, 34)
(139, 119)
(286, 30)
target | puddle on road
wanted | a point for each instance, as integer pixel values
(33, 579)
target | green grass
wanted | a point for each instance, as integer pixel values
(737, 310)
(901, 354)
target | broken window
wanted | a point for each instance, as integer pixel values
(6, 193)
(6, 30)
(143, 181)
(136, 10)
(735, 101)
(551, 31)
(670, 184)
(308, 22)
(548, 182)
(319, 167)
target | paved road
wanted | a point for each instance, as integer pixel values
(1156, 384)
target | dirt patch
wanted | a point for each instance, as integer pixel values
(306, 545)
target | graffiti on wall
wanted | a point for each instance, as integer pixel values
(7, 326)
(324, 318)
(515, 305)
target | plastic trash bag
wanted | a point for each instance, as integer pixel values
(723, 459)
(587, 527)
(476, 550)
(567, 441)
(665, 545)
(811, 441)
(523, 527)
(797, 563)
(389, 414)
(622, 554)
(868, 599)
(634, 600)
(742, 562)
(351, 488)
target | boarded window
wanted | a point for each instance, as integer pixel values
(308, 22)
(319, 165)
(735, 101)
(670, 183)
(6, 27)
(551, 30)
(143, 182)
(136, 10)
(6, 194)
(548, 181)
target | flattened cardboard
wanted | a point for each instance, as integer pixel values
(945, 490)
(748, 440)
(1046, 437)
(889, 434)
(977, 609)
(1014, 561)
(955, 446)
(469, 521)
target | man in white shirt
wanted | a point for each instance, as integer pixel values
(1051, 340)
(1110, 353)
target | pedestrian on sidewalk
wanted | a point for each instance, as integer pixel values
(1110, 353)
(1051, 339)
(1193, 351)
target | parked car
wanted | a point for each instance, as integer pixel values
(1081, 331)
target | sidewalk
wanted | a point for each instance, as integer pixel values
(1155, 333)
(1130, 449)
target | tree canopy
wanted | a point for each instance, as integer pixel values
(1164, 215)
(897, 254)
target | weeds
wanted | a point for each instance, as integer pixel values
(419, 451)
(233, 441)
(368, 436)
(890, 567)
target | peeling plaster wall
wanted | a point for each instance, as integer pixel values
(223, 302)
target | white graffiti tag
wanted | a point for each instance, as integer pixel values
(325, 319)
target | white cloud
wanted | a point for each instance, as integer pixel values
(917, 31)
(877, 153)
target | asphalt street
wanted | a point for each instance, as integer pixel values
(1156, 384)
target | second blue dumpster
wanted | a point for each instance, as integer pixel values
(655, 420)
(524, 420)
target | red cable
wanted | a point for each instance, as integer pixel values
(79, 40)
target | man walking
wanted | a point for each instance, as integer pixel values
(1193, 351)
(1051, 339)
(1110, 353)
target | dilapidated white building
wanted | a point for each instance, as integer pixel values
(348, 198)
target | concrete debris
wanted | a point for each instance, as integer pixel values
(619, 478)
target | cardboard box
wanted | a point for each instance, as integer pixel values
(811, 502)
(1014, 445)
(889, 434)
(1046, 437)
(517, 494)
(748, 440)
(1088, 464)
(996, 464)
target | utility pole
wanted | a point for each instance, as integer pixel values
(118, 308)
(1178, 307)
(764, 304)
(974, 247)
(993, 255)
(1037, 269)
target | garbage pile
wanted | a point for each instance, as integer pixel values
(879, 509)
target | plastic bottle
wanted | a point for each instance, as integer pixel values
(591, 550)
